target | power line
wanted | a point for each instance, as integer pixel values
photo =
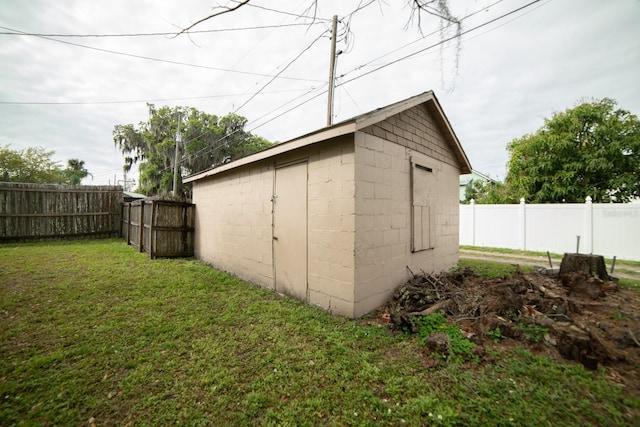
(441, 42)
(313, 18)
(282, 71)
(135, 101)
(167, 61)
(212, 148)
(218, 30)
(288, 110)
(401, 59)
(377, 69)
(425, 36)
(246, 53)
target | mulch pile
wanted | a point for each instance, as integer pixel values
(588, 320)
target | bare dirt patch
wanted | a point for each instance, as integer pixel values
(574, 316)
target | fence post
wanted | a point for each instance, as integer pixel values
(523, 224)
(152, 229)
(141, 248)
(472, 203)
(588, 225)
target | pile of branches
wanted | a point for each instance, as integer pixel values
(481, 304)
(425, 294)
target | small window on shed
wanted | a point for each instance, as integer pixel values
(422, 201)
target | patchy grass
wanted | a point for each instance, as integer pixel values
(96, 333)
(492, 268)
(509, 251)
(554, 256)
(498, 268)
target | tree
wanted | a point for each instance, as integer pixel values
(485, 192)
(590, 150)
(33, 165)
(75, 172)
(207, 141)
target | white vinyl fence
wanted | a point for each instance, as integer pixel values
(609, 229)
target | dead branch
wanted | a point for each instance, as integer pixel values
(213, 15)
(433, 309)
(546, 292)
(611, 353)
(633, 337)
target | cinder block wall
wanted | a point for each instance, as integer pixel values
(383, 206)
(233, 222)
(331, 226)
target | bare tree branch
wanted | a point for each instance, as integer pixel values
(437, 8)
(222, 12)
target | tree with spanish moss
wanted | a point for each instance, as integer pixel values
(206, 141)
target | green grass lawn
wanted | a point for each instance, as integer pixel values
(93, 332)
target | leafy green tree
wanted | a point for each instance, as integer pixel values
(483, 192)
(590, 150)
(33, 164)
(206, 141)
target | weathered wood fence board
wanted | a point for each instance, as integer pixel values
(46, 211)
(160, 228)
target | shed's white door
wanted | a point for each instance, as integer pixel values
(290, 230)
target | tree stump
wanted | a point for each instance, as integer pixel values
(591, 265)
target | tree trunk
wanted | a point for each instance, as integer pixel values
(591, 265)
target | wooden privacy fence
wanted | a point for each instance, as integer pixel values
(45, 211)
(161, 228)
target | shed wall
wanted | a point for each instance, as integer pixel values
(234, 222)
(332, 226)
(417, 130)
(383, 219)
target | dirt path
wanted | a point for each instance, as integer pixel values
(622, 269)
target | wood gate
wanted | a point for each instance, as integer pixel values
(161, 228)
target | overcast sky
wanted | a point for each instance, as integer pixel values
(498, 84)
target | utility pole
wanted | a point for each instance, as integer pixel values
(332, 70)
(176, 166)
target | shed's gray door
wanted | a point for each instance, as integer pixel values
(290, 230)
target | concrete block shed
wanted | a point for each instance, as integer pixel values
(337, 217)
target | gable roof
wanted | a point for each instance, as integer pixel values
(352, 125)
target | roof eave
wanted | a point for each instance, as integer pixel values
(320, 135)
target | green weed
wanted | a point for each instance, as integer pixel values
(532, 332)
(495, 334)
(459, 346)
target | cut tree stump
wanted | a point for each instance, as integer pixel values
(591, 265)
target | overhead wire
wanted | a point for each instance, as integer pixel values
(405, 57)
(135, 101)
(441, 42)
(167, 61)
(309, 46)
(313, 18)
(402, 59)
(152, 34)
(421, 38)
(216, 146)
(251, 129)
(262, 40)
